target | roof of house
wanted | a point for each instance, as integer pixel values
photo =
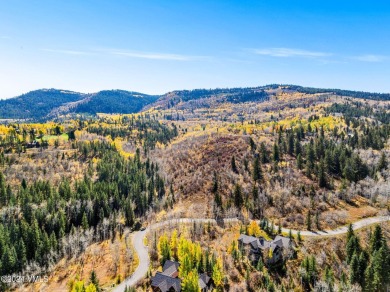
(164, 282)
(170, 268)
(282, 241)
(254, 241)
(204, 279)
(261, 243)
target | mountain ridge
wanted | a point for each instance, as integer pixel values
(44, 104)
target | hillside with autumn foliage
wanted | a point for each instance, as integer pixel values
(76, 188)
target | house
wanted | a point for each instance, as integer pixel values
(164, 283)
(171, 268)
(273, 250)
(256, 244)
(205, 283)
(167, 280)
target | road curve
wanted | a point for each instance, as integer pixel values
(142, 250)
(143, 256)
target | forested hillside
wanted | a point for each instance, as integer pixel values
(47, 104)
(281, 164)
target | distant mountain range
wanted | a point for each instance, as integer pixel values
(51, 103)
(47, 104)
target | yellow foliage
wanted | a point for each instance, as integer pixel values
(254, 229)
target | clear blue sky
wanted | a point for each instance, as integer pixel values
(156, 46)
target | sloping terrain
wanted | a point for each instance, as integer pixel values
(47, 104)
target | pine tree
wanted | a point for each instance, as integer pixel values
(354, 269)
(263, 153)
(257, 173)
(317, 221)
(376, 240)
(290, 145)
(238, 199)
(382, 164)
(93, 279)
(308, 221)
(379, 270)
(297, 148)
(234, 166)
(321, 175)
(353, 247)
(252, 144)
(129, 214)
(275, 153)
(310, 156)
(299, 161)
(363, 260)
(329, 278)
(84, 222)
(215, 183)
(3, 192)
(350, 232)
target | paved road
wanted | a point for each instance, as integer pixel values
(341, 230)
(142, 269)
(142, 250)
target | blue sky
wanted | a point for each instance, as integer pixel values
(157, 46)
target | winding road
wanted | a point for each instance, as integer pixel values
(142, 250)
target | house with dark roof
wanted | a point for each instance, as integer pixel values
(205, 283)
(272, 250)
(164, 283)
(171, 268)
(167, 280)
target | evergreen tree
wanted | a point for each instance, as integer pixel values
(317, 221)
(299, 161)
(321, 175)
(234, 166)
(84, 221)
(297, 147)
(310, 156)
(238, 199)
(363, 261)
(382, 164)
(353, 247)
(376, 240)
(354, 269)
(290, 144)
(350, 232)
(3, 192)
(252, 144)
(257, 173)
(215, 183)
(275, 153)
(308, 221)
(264, 156)
(93, 279)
